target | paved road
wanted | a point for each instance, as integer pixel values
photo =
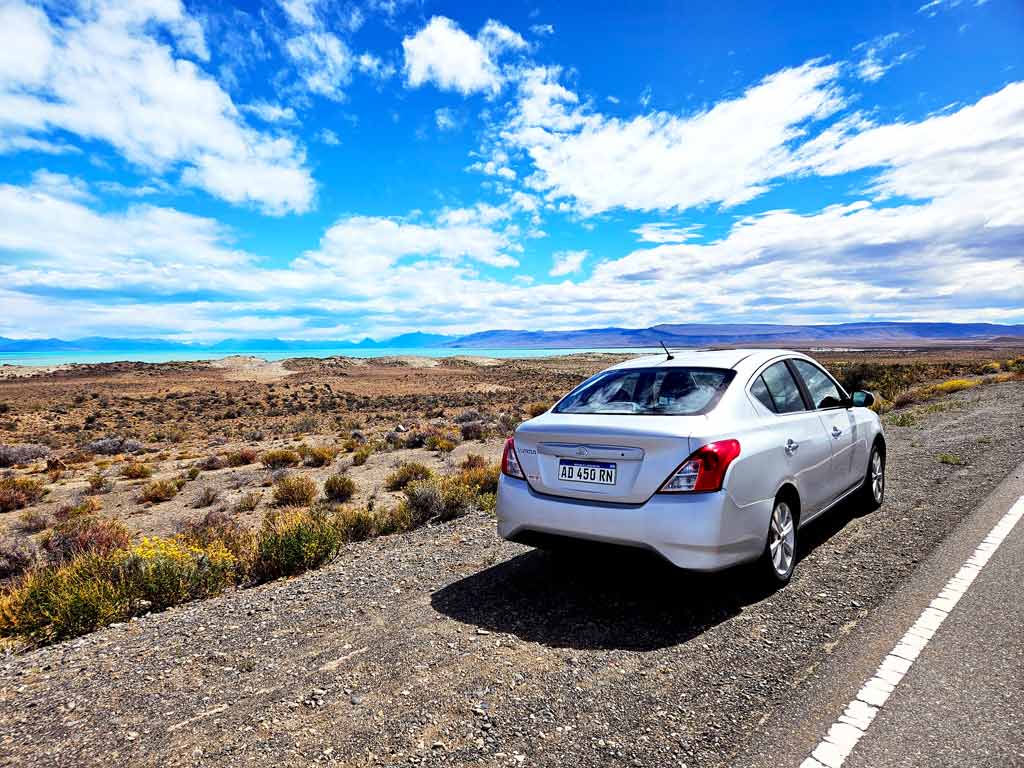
(961, 702)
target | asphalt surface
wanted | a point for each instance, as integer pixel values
(962, 701)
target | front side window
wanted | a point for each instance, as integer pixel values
(783, 389)
(824, 392)
(649, 391)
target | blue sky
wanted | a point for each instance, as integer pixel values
(320, 169)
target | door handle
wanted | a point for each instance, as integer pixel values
(791, 447)
(836, 431)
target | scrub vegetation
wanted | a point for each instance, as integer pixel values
(128, 488)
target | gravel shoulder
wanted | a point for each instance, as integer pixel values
(447, 646)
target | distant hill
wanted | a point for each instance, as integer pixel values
(871, 334)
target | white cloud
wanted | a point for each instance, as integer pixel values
(271, 113)
(442, 54)
(662, 161)
(567, 262)
(445, 119)
(372, 65)
(60, 185)
(329, 137)
(323, 61)
(108, 77)
(662, 232)
(27, 45)
(301, 12)
(873, 65)
(542, 29)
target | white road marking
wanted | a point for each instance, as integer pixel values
(844, 734)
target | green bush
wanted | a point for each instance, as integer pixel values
(54, 603)
(339, 487)
(441, 498)
(294, 491)
(166, 572)
(356, 523)
(136, 470)
(406, 473)
(361, 455)
(295, 539)
(280, 458)
(317, 456)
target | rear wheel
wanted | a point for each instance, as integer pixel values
(873, 490)
(780, 550)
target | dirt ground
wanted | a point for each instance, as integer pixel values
(448, 646)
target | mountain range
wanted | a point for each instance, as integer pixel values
(871, 334)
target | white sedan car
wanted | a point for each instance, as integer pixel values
(709, 458)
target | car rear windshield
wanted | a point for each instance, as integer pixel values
(668, 391)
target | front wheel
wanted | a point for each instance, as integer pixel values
(779, 556)
(873, 490)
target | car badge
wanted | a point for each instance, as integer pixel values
(581, 451)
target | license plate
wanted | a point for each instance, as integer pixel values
(600, 472)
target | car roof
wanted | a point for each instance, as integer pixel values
(709, 358)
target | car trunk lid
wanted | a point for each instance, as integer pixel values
(637, 453)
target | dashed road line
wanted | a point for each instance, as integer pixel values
(851, 726)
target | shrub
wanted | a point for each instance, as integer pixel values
(294, 491)
(160, 490)
(356, 523)
(406, 473)
(481, 479)
(216, 526)
(949, 458)
(193, 473)
(317, 456)
(17, 492)
(99, 484)
(16, 556)
(507, 423)
(87, 534)
(440, 444)
(902, 419)
(206, 497)
(280, 458)
(211, 463)
(339, 487)
(466, 416)
(242, 457)
(136, 470)
(22, 453)
(303, 424)
(442, 498)
(54, 603)
(33, 521)
(248, 502)
(360, 456)
(166, 572)
(293, 540)
(394, 520)
(84, 506)
(473, 430)
(473, 461)
(536, 409)
(955, 385)
(113, 445)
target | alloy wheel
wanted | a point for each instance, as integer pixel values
(877, 477)
(782, 539)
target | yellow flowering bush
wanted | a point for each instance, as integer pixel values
(168, 571)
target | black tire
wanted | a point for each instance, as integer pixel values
(872, 492)
(779, 558)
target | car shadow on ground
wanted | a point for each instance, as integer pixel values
(594, 596)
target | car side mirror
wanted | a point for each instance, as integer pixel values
(862, 399)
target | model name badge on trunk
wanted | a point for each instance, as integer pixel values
(601, 472)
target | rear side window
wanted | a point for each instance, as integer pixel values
(783, 389)
(649, 391)
(760, 391)
(824, 392)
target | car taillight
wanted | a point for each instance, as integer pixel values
(704, 469)
(510, 462)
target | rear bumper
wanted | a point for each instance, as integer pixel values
(701, 531)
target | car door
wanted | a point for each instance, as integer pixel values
(833, 407)
(801, 436)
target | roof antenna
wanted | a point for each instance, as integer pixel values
(668, 354)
